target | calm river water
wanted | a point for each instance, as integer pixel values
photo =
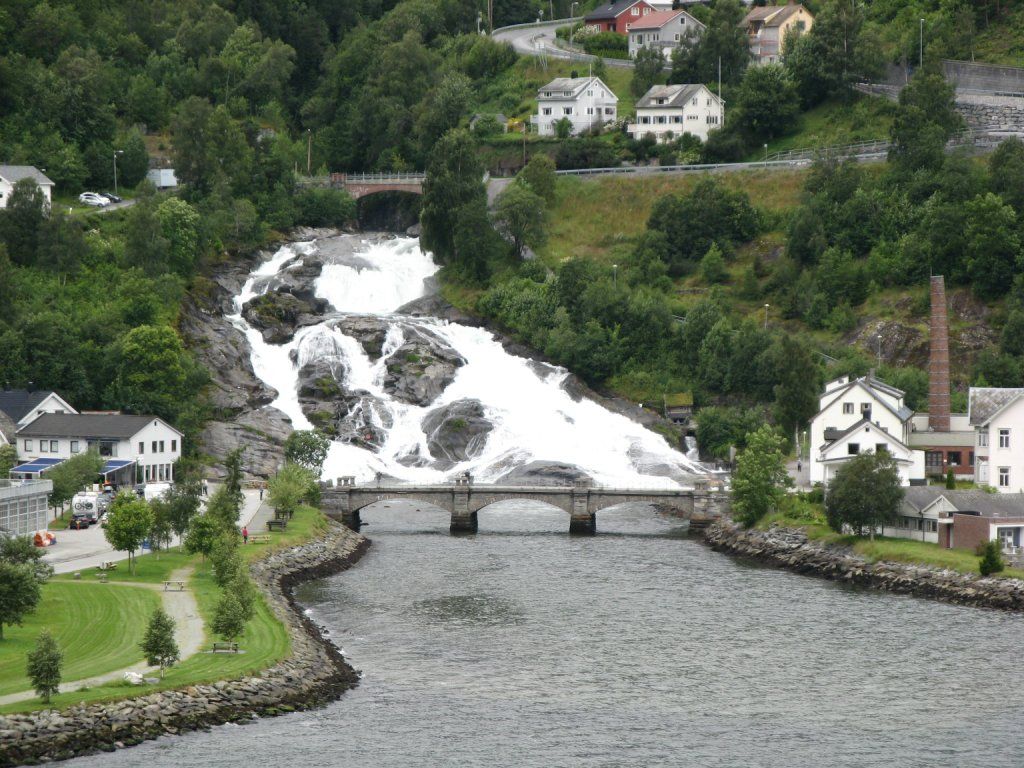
(521, 646)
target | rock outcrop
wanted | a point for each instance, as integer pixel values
(543, 473)
(314, 674)
(278, 314)
(421, 368)
(456, 432)
(790, 549)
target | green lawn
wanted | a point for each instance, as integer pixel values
(264, 643)
(885, 549)
(99, 627)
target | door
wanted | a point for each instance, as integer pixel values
(1006, 538)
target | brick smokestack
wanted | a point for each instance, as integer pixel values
(938, 360)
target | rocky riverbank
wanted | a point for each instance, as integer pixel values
(314, 673)
(790, 548)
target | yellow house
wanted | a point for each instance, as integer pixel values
(768, 26)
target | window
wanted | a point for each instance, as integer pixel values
(970, 459)
(590, 93)
(153, 447)
(544, 111)
(566, 110)
(691, 117)
(161, 446)
(661, 119)
(142, 447)
(1004, 438)
(174, 446)
(547, 94)
(982, 439)
(54, 446)
(1004, 477)
(953, 458)
(590, 110)
(567, 93)
(677, 37)
(74, 446)
(933, 460)
(645, 120)
(634, 11)
(847, 408)
(609, 110)
(42, 446)
(646, 11)
(852, 449)
(865, 407)
(879, 447)
(677, 118)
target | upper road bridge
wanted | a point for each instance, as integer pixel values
(362, 184)
(344, 500)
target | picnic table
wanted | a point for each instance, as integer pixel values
(174, 585)
(278, 525)
(259, 538)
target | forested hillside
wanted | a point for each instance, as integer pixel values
(242, 98)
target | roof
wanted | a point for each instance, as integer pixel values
(18, 403)
(37, 465)
(655, 20)
(985, 402)
(110, 425)
(15, 173)
(610, 11)
(7, 427)
(113, 465)
(679, 400)
(988, 504)
(903, 413)
(862, 423)
(920, 497)
(677, 96)
(575, 85)
(771, 15)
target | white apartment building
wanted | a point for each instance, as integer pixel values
(668, 111)
(147, 444)
(997, 416)
(663, 30)
(586, 102)
(859, 416)
(12, 174)
(20, 406)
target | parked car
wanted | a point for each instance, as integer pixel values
(111, 197)
(79, 522)
(93, 198)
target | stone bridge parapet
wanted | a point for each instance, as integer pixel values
(343, 500)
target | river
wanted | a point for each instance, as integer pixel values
(523, 646)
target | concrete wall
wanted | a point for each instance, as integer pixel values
(984, 77)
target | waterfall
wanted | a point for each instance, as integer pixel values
(533, 417)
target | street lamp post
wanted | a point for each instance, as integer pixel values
(572, 24)
(309, 151)
(479, 18)
(920, 51)
(766, 155)
(116, 153)
(766, 316)
(878, 350)
(615, 274)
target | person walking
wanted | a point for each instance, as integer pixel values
(245, 535)
(261, 492)
(206, 490)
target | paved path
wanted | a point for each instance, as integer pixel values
(540, 40)
(188, 632)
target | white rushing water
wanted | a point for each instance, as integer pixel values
(534, 418)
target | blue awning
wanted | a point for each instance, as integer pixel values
(37, 465)
(113, 465)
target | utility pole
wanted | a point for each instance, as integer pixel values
(309, 152)
(766, 316)
(920, 53)
(490, 15)
(572, 25)
(116, 153)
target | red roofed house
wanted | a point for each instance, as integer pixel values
(663, 30)
(616, 15)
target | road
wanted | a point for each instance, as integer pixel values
(540, 40)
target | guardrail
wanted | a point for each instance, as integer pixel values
(534, 24)
(656, 169)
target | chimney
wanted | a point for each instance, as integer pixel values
(938, 360)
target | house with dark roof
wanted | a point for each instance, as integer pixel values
(585, 103)
(146, 444)
(996, 414)
(767, 27)
(862, 415)
(12, 174)
(666, 112)
(662, 30)
(615, 16)
(20, 406)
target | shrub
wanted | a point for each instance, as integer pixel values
(324, 207)
(991, 558)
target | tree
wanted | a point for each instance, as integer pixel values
(760, 477)
(229, 617)
(21, 550)
(865, 493)
(8, 459)
(454, 178)
(223, 509)
(70, 476)
(648, 69)
(993, 247)
(133, 163)
(20, 221)
(20, 593)
(767, 104)
(950, 480)
(225, 558)
(519, 216)
(712, 266)
(1006, 168)
(990, 558)
(308, 448)
(796, 394)
(539, 174)
(179, 227)
(1012, 339)
(289, 487)
(925, 120)
(182, 501)
(158, 644)
(725, 41)
(43, 668)
(160, 532)
(129, 522)
(202, 534)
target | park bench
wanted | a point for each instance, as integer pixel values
(174, 586)
(225, 647)
(276, 525)
(259, 538)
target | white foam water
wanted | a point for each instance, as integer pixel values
(534, 418)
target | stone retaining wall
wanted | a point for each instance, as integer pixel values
(790, 548)
(314, 673)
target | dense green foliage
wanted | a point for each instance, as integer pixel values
(864, 494)
(759, 482)
(990, 558)
(43, 666)
(158, 644)
(19, 593)
(129, 522)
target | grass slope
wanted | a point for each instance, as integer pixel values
(98, 626)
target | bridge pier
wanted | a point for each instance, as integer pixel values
(582, 522)
(463, 520)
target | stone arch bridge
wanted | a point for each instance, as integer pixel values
(343, 500)
(362, 184)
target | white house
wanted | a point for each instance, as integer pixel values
(857, 416)
(663, 30)
(12, 174)
(586, 102)
(162, 178)
(997, 416)
(20, 406)
(668, 111)
(147, 444)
